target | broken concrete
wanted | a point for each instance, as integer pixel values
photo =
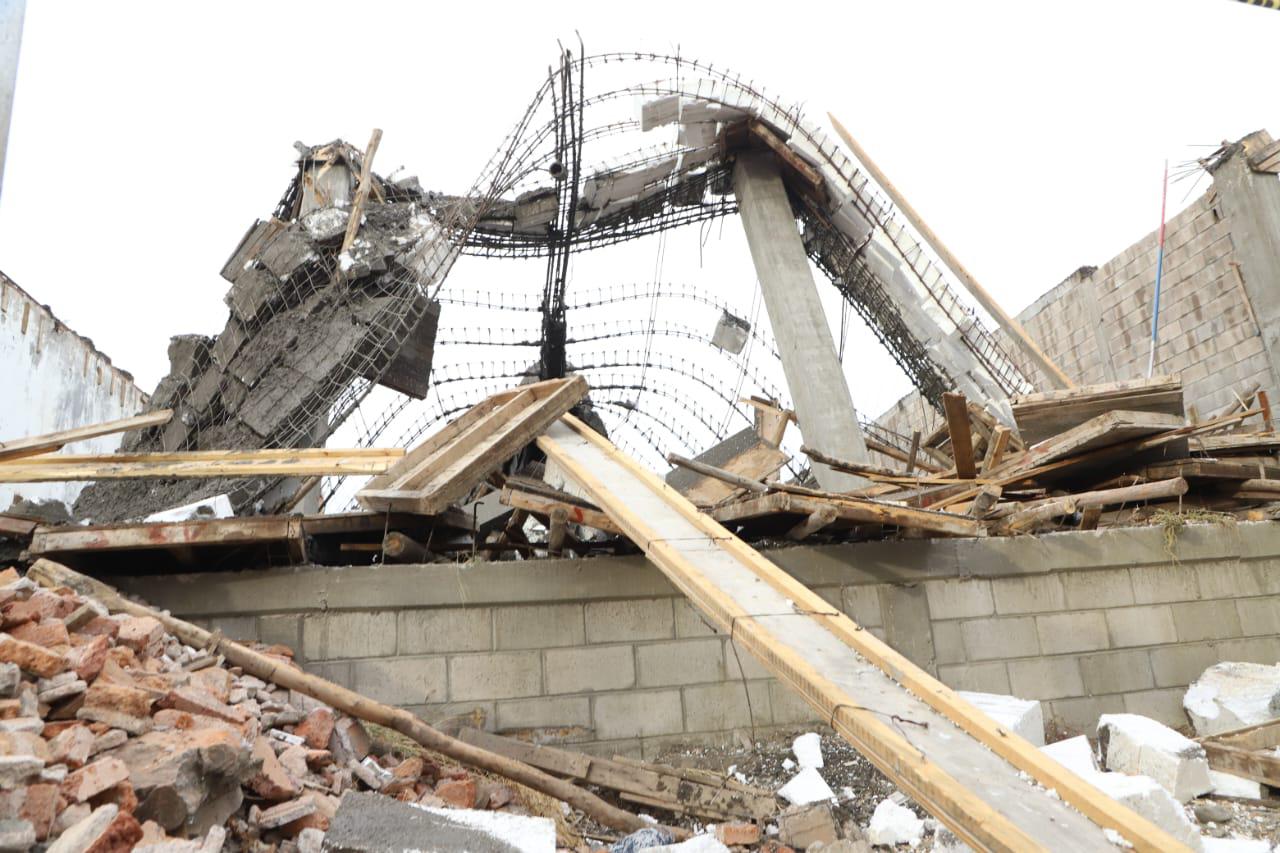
(1232, 695)
(1130, 743)
(368, 823)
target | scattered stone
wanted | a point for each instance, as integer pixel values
(36, 804)
(30, 657)
(459, 793)
(802, 826)
(271, 782)
(350, 739)
(283, 813)
(72, 746)
(109, 739)
(1211, 812)
(140, 633)
(1227, 785)
(118, 705)
(1232, 695)
(310, 840)
(1131, 743)
(50, 633)
(93, 779)
(17, 769)
(85, 834)
(10, 678)
(892, 824)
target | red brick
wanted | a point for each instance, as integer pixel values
(459, 793)
(34, 659)
(740, 834)
(120, 837)
(316, 728)
(100, 626)
(140, 632)
(35, 803)
(118, 697)
(193, 700)
(72, 746)
(94, 778)
(272, 782)
(41, 605)
(47, 633)
(89, 658)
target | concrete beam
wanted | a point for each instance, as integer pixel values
(824, 406)
(11, 14)
(1250, 202)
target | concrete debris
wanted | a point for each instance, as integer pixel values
(1232, 695)
(1146, 797)
(1235, 845)
(1024, 717)
(803, 826)
(369, 823)
(1227, 785)
(1075, 754)
(1131, 743)
(806, 787)
(808, 750)
(892, 824)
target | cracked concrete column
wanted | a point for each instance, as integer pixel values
(824, 406)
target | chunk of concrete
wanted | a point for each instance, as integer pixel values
(806, 787)
(1074, 753)
(1132, 743)
(803, 826)
(16, 836)
(1231, 695)
(1227, 785)
(371, 823)
(892, 824)
(1024, 717)
(808, 750)
(1145, 796)
(1235, 845)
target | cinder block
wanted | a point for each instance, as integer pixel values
(959, 599)
(1117, 672)
(752, 667)
(1029, 594)
(986, 639)
(1206, 620)
(1104, 588)
(1163, 583)
(1141, 626)
(401, 681)
(539, 626)
(348, 634)
(716, 707)
(590, 668)
(1259, 615)
(680, 662)
(281, 630)
(789, 707)
(445, 629)
(948, 645)
(1235, 579)
(862, 604)
(1164, 706)
(544, 711)
(980, 677)
(501, 675)
(241, 628)
(691, 623)
(441, 711)
(1082, 631)
(1253, 650)
(634, 619)
(1080, 714)
(1178, 666)
(637, 713)
(1045, 678)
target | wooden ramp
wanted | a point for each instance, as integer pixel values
(982, 781)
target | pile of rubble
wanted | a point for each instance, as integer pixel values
(116, 736)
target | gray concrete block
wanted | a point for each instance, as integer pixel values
(353, 634)
(1082, 631)
(1162, 705)
(716, 707)
(281, 630)
(862, 604)
(444, 629)
(626, 747)
(500, 675)
(1178, 666)
(981, 677)
(1045, 678)
(1254, 650)
(402, 681)
(986, 639)
(789, 707)
(695, 661)
(1163, 583)
(241, 628)
(1104, 588)
(637, 713)
(439, 712)
(749, 665)
(907, 624)
(1117, 672)
(590, 668)
(634, 619)
(1031, 594)
(1080, 714)
(1234, 578)
(544, 711)
(691, 623)
(1141, 626)
(948, 645)
(960, 599)
(339, 672)
(1259, 615)
(539, 626)
(1206, 620)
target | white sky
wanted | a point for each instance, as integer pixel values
(146, 137)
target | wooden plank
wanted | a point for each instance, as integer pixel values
(1265, 735)
(1048, 413)
(912, 455)
(362, 190)
(995, 450)
(544, 506)
(19, 447)
(48, 541)
(1265, 404)
(1236, 443)
(269, 454)
(756, 462)
(17, 526)
(1259, 766)
(1135, 494)
(444, 468)
(957, 412)
(966, 785)
(1102, 431)
(1212, 469)
(48, 472)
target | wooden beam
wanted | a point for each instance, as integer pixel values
(20, 447)
(1048, 413)
(667, 530)
(912, 455)
(362, 191)
(817, 520)
(275, 466)
(957, 411)
(1102, 431)
(849, 467)
(995, 450)
(1265, 405)
(544, 507)
(266, 454)
(718, 473)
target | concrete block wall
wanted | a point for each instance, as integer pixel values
(609, 652)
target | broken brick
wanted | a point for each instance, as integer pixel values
(283, 813)
(93, 779)
(40, 606)
(48, 633)
(100, 626)
(194, 700)
(37, 804)
(120, 836)
(87, 659)
(140, 633)
(117, 705)
(272, 782)
(459, 793)
(317, 728)
(30, 657)
(72, 747)
(738, 834)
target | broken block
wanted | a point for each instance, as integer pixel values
(1145, 796)
(806, 787)
(30, 657)
(804, 826)
(1231, 695)
(117, 705)
(1075, 754)
(1023, 717)
(93, 779)
(892, 824)
(371, 823)
(1131, 743)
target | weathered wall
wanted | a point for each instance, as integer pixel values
(1096, 325)
(1090, 622)
(53, 379)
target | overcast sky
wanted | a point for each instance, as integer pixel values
(146, 137)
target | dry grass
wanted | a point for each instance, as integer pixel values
(1172, 523)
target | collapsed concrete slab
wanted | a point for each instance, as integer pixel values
(1231, 695)
(1131, 743)
(372, 823)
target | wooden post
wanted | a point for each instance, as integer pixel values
(915, 450)
(362, 191)
(995, 451)
(557, 530)
(957, 412)
(1265, 405)
(399, 548)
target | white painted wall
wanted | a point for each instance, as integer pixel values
(53, 379)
